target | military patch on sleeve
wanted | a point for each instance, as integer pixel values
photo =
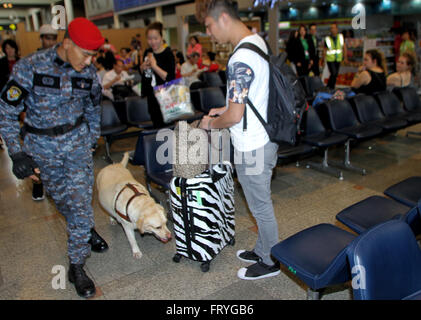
(14, 93)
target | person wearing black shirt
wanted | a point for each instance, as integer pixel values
(313, 42)
(371, 76)
(157, 68)
(301, 53)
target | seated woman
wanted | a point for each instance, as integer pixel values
(126, 58)
(208, 62)
(371, 76)
(405, 71)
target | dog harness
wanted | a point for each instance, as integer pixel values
(136, 194)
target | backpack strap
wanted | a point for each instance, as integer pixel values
(253, 47)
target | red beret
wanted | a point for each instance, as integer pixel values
(85, 34)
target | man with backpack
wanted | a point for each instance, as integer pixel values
(247, 80)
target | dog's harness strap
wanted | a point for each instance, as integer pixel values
(136, 194)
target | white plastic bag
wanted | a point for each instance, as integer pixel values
(174, 100)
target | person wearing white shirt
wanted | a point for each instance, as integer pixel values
(189, 69)
(247, 78)
(116, 76)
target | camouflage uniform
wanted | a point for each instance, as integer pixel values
(55, 94)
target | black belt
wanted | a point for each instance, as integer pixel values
(55, 131)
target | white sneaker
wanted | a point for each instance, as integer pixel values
(257, 271)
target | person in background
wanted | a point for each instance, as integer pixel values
(291, 46)
(48, 36)
(136, 42)
(313, 41)
(179, 60)
(126, 58)
(2, 54)
(189, 69)
(108, 47)
(405, 72)
(371, 76)
(100, 70)
(407, 44)
(334, 53)
(157, 68)
(135, 56)
(301, 56)
(208, 62)
(194, 46)
(109, 60)
(10, 48)
(116, 76)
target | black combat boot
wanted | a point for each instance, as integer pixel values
(85, 287)
(97, 243)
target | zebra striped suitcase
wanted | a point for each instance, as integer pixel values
(203, 214)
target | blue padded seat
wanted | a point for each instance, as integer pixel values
(369, 112)
(343, 120)
(286, 151)
(317, 135)
(392, 107)
(410, 99)
(162, 178)
(407, 191)
(156, 172)
(370, 212)
(387, 260)
(316, 255)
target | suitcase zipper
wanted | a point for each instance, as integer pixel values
(187, 217)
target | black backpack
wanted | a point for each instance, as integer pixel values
(286, 103)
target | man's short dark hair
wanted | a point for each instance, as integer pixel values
(194, 54)
(311, 25)
(214, 9)
(116, 61)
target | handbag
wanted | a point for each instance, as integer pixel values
(174, 100)
(191, 150)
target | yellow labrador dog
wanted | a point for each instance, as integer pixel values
(129, 203)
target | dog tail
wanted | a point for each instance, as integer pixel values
(125, 159)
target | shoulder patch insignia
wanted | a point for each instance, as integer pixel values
(13, 93)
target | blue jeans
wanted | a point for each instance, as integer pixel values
(257, 190)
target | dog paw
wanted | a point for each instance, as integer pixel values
(137, 255)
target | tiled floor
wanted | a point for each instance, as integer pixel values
(33, 234)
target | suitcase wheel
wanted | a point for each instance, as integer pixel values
(176, 258)
(232, 242)
(205, 266)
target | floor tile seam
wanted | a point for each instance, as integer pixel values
(109, 283)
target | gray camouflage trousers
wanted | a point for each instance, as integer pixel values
(66, 167)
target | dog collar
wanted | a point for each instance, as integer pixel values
(136, 194)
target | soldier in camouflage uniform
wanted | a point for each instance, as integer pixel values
(60, 88)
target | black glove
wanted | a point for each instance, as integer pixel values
(23, 165)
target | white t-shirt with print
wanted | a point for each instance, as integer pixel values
(110, 76)
(258, 92)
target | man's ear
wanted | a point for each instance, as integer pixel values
(223, 18)
(67, 43)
